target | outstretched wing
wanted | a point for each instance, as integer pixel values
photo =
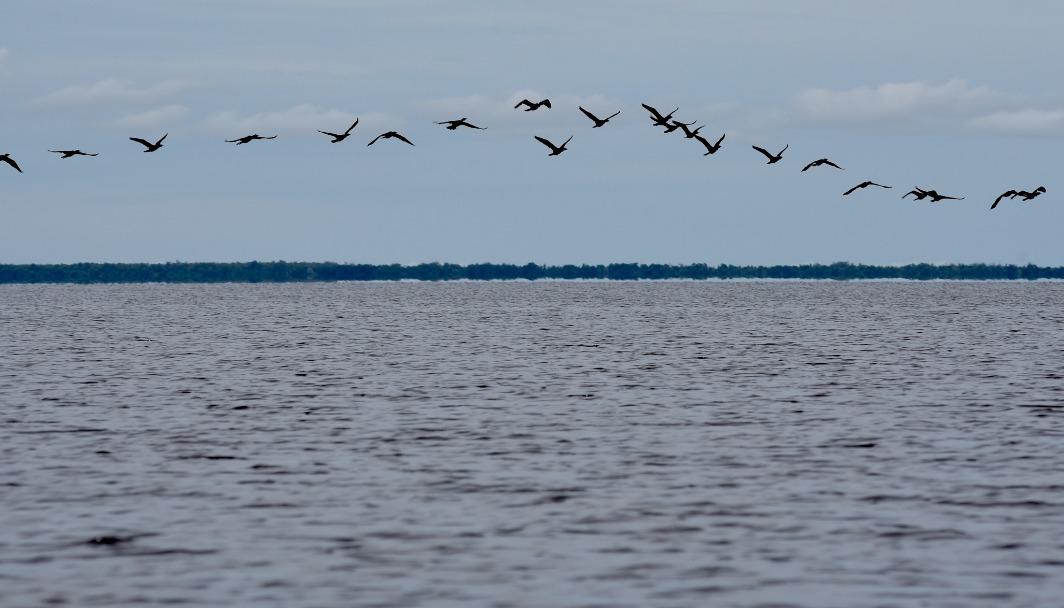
(523, 102)
(653, 112)
(375, 139)
(854, 189)
(11, 161)
(270, 137)
(593, 118)
(235, 141)
(610, 117)
(142, 142)
(401, 138)
(951, 198)
(810, 165)
(333, 135)
(764, 151)
(349, 129)
(160, 142)
(545, 142)
(881, 185)
(831, 164)
(1009, 194)
(545, 102)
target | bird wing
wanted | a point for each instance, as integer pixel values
(11, 161)
(763, 151)
(160, 142)
(829, 163)
(610, 117)
(854, 189)
(333, 135)
(545, 142)
(810, 165)
(545, 102)
(58, 151)
(375, 139)
(96, 154)
(233, 141)
(567, 141)
(951, 198)
(653, 111)
(401, 138)
(523, 102)
(589, 115)
(349, 129)
(721, 140)
(142, 142)
(703, 141)
(270, 137)
(784, 150)
(1009, 194)
(881, 186)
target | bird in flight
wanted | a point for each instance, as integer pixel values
(935, 197)
(819, 162)
(533, 106)
(686, 128)
(710, 148)
(339, 137)
(71, 153)
(247, 139)
(772, 159)
(659, 119)
(865, 185)
(918, 193)
(1025, 195)
(151, 147)
(461, 122)
(554, 150)
(6, 158)
(390, 135)
(595, 119)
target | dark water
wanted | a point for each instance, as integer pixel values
(548, 444)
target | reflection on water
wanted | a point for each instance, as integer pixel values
(547, 444)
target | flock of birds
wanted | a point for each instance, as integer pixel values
(665, 121)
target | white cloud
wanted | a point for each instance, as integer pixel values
(303, 119)
(1029, 122)
(113, 90)
(918, 102)
(152, 118)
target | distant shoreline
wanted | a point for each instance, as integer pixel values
(304, 272)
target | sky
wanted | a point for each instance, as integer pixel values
(960, 96)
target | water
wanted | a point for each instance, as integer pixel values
(547, 444)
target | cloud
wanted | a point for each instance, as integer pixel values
(113, 90)
(1027, 123)
(915, 102)
(152, 118)
(302, 119)
(500, 110)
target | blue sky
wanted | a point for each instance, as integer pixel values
(959, 96)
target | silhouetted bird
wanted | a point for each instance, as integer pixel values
(1025, 195)
(390, 135)
(710, 148)
(533, 106)
(247, 139)
(595, 119)
(772, 159)
(461, 122)
(1029, 195)
(817, 163)
(936, 197)
(659, 119)
(7, 159)
(675, 124)
(147, 144)
(686, 128)
(554, 150)
(339, 137)
(70, 153)
(916, 192)
(864, 185)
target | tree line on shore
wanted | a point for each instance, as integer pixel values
(294, 272)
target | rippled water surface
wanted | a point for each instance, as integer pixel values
(546, 444)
